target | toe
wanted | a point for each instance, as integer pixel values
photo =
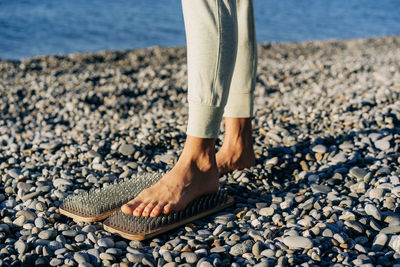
(167, 209)
(149, 208)
(126, 209)
(157, 210)
(129, 207)
(139, 209)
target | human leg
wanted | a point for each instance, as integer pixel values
(211, 32)
(237, 149)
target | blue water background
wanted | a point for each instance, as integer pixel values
(36, 27)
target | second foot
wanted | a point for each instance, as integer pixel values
(228, 160)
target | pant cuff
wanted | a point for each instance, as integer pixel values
(204, 121)
(239, 106)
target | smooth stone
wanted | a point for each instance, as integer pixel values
(240, 249)
(269, 253)
(20, 246)
(9, 203)
(382, 144)
(80, 238)
(396, 191)
(69, 233)
(318, 188)
(106, 256)
(60, 251)
(28, 196)
(219, 229)
(189, 257)
(257, 249)
(167, 256)
(395, 243)
(358, 173)
(105, 242)
(319, 149)
(134, 258)
(297, 242)
(29, 215)
(4, 228)
(20, 221)
(218, 250)
(55, 262)
(263, 264)
(379, 242)
(338, 158)
(14, 173)
(114, 251)
(80, 257)
(126, 149)
(373, 211)
(269, 211)
(392, 229)
(225, 218)
(89, 228)
(376, 193)
(48, 234)
(340, 238)
(62, 182)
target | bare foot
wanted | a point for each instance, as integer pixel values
(237, 150)
(194, 174)
(229, 159)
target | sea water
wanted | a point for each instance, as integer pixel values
(37, 27)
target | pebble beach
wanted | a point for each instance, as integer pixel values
(325, 190)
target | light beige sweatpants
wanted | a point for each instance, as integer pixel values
(222, 59)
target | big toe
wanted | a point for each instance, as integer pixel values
(126, 209)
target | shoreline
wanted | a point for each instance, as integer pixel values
(129, 50)
(325, 188)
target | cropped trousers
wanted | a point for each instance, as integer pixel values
(221, 60)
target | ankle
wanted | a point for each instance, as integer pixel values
(199, 154)
(238, 134)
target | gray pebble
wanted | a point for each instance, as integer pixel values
(106, 256)
(20, 221)
(358, 173)
(55, 262)
(392, 229)
(126, 149)
(20, 246)
(14, 173)
(48, 234)
(218, 250)
(269, 211)
(80, 257)
(135, 258)
(318, 188)
(105, 242)
(382, 144)
(297, 242)
(373, 211)
(62, 182)
(69, 233)
(376, 193)
(240, 249)
(319, 149)
(189, 257)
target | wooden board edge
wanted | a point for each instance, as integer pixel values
(80, 218)
(167, 228)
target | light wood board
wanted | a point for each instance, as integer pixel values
(81, 218)
(158, 231)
